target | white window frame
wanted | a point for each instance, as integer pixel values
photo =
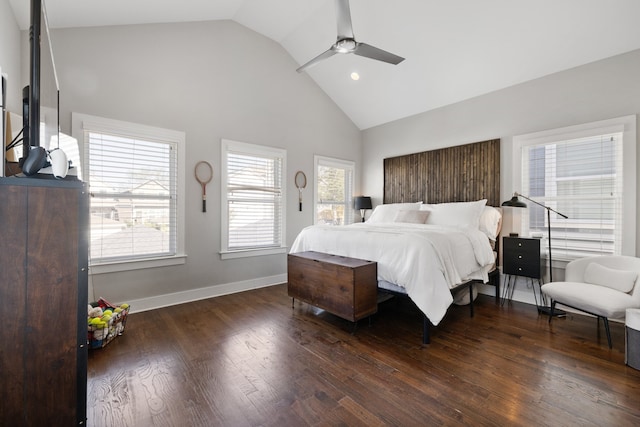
(625, 125)
(347, 165)
(84, 123)
(257, 150)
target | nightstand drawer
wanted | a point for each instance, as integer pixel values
(521, 257)
(522, 269)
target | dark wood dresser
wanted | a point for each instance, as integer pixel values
(43, 301)
(346, 287)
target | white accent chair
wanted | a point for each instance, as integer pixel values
(604, 286)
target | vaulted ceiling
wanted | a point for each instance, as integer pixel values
(454, 49)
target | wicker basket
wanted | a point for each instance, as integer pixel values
(101, 335)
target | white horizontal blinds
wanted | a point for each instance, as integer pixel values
(334, 187)
(254, 200)
(133, 184)
(581, 178)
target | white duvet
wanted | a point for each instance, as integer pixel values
(426, 260)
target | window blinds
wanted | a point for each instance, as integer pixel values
(581, 178)
(254, 200)
(133, 184)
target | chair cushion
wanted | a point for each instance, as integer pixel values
(620, 280)
(595, 299)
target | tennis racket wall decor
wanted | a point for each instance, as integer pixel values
(301, 183)
(204, 174)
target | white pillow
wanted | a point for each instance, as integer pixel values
(490, 222)
(387, 212)
(459, 214)
(620, 280)
(413, 216)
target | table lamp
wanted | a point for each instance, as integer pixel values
(362, 203)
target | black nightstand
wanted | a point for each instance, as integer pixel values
(521, 257)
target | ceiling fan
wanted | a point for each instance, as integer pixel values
(346, 43)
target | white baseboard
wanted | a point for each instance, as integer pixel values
(160, 301)
(522, 292)
(166, 300)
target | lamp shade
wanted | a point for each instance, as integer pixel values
(362, 202)
(514, 202)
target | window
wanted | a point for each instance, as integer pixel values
(333, 191)
(581, 172)
(135, 181)
(253, 199)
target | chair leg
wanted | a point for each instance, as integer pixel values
(606, 329)
(553, 307)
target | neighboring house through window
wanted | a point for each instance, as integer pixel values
(136, 186)
(586, 172)
(333, 196)
(253, 200)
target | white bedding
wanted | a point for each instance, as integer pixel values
(426, 260)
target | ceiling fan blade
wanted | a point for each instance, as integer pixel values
(324, 55)
(373, 52)
(343, 15)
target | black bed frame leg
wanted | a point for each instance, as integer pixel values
(471, 298)
(426, 325)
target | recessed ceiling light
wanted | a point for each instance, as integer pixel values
(355, 76)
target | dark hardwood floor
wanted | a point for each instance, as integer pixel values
(249, 359)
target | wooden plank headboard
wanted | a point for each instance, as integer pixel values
(462, 173)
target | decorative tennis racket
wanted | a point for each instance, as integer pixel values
(204, 174)
(301, 183)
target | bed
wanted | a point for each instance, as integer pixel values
(426, 259)
(427, 250)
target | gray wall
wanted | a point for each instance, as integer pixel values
(601, 90)
(212, 80)
(10, 55)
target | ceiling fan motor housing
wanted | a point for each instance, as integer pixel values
(346, 45)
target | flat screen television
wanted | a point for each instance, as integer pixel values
(41, 97)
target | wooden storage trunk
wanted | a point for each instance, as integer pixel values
(346, 287)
